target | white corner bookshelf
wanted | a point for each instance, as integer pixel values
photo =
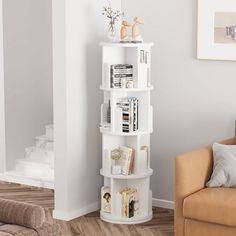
(126, 124)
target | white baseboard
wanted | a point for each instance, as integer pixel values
(163, 203)
(67, 216)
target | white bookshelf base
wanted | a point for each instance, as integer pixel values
(107, 217)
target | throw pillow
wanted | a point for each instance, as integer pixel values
(224, 168)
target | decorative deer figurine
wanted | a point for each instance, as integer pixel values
(136, 37)
(123, 31)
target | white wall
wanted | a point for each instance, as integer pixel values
(2, 98)
(194, 101)
(78, 27)
(28, 73)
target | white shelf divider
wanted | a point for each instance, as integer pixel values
(113, 136)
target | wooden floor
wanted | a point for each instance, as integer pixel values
(91, 225)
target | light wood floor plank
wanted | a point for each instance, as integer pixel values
(162, 223)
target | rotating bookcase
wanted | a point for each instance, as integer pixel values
(126, 125)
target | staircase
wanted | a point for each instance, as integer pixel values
(37, 168)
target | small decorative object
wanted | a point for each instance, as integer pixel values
(116, 170)
(123, 32)
(217, 30)
(115, 154)
(113, 16)
(136, 37)
(130, 84)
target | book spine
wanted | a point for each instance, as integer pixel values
(119, 204)
(136, 203)
(124, 203)
(131, 115)
(122, 75)
(122, 71)
(131, 165)
(122, 66)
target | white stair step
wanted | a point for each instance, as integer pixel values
(44, 138)
(49, 131)
(40, 154)
(28, 150)
(33, 168)
(47, 149)
(43, 141)
(18, 177)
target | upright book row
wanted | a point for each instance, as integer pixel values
(129, 106)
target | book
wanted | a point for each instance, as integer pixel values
(127, 202)
(127, 156)
(123, 157)
(122, 66)
(119, 204)
(106, 199)
(121, 76)
(144, 55)
(129, 108)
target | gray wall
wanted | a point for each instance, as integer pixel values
(2, 99)
(28, 73)
(194, 101)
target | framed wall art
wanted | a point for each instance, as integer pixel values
(217, 30)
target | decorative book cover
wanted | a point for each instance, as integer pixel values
(124, 158)
(127, 203)
(121, 76)
(106, 199)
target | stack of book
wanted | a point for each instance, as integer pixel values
(127, 202)
(129, 108)
(121, 76)
(122, 160)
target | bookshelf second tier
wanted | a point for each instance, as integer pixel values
(126, 125)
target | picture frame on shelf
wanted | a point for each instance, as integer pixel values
(216, 30)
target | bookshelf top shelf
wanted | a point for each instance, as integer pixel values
(135, 133)
(126, 90)
(148, 173)
(126, 45)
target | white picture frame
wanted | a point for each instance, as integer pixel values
(213, 17)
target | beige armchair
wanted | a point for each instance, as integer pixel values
(201, 211)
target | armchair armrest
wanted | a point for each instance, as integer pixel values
(192, 171)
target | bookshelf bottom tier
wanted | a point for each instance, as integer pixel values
(107, 217)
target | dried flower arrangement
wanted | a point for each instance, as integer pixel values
(113, 16)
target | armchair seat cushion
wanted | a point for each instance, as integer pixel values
(212, 205)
